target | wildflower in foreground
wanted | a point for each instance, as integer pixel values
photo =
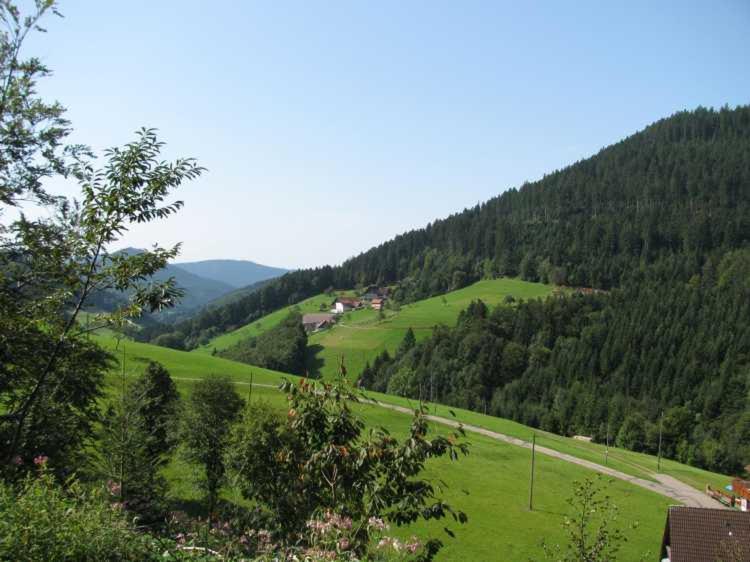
(377, 524)
(114, 488)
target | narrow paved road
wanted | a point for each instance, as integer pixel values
(665, 485)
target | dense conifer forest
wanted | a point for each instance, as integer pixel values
(659, 223)
(282, 348)
(604, 365)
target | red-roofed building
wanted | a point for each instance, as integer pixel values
(700, 534)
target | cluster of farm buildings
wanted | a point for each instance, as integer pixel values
(373, 297)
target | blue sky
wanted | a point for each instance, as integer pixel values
(329, 127)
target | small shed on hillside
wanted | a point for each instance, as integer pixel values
(701, 534)
(315, 322)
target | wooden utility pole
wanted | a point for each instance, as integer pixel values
(250, 394)
(432, 391)
(531, 485)
(658, 458)
(606, 448)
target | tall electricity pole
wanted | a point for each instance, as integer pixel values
(658, 458)
(606, 448)
(533, 459)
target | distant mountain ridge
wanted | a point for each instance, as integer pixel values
(199, 290)
(236, 273)
(211, 281)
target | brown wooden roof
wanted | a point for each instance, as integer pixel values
(699, 534)
(741, 488)
(317, 318)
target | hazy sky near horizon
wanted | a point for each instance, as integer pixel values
(329, 127)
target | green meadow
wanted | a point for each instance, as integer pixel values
(629, 462)
(256, 328)
(362, 334)
(490, 485)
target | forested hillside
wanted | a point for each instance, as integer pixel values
(677, 189)
(281, 348)
(604, 365)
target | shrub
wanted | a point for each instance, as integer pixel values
(318, 461)
(43, 521)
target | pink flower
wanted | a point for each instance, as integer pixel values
(377, 524)
(344, 543)
(17, 460)
(338, 521)
(114, 488)
(413, 545)
(41, 460)
(390, 542)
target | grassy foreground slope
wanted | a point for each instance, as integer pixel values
(490, 484)
(186, 367)
(361, 334)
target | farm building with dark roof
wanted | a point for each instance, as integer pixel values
(700, 534)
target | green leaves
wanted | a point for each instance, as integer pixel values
(31, 130)
(50, 269)
(590, 526)
(322, 459)
(211, 409)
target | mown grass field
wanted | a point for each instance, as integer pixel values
(629, 462)
(256, 328)
(361, 335)
(490, 485)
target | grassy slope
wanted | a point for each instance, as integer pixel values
(494, 475)
(629, 462)
(261, 325)
(360, 335)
